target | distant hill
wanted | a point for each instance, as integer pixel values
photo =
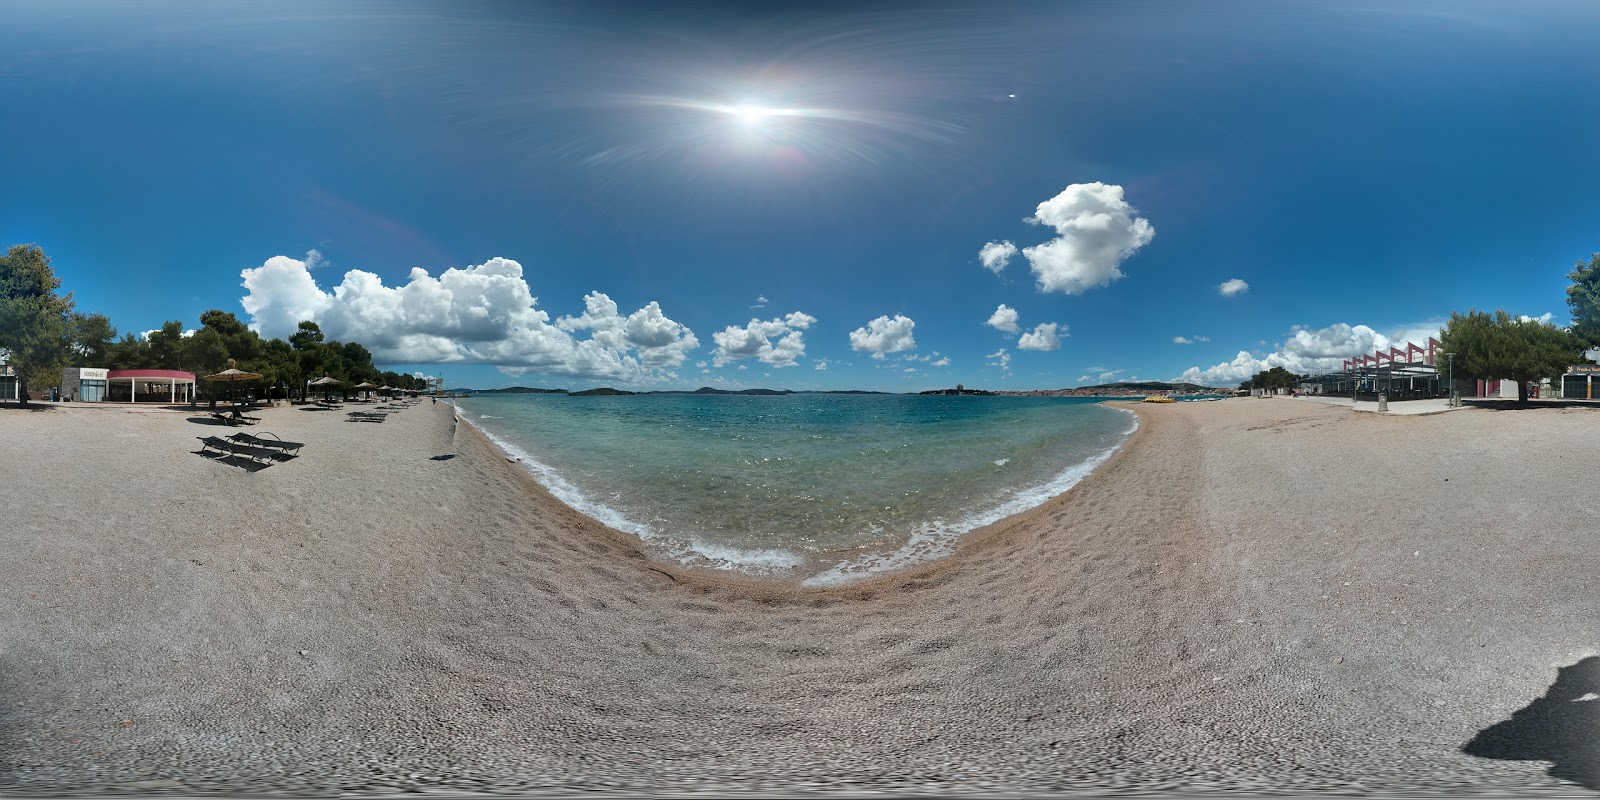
(604, 391)
(1153, 386)
(521, 390)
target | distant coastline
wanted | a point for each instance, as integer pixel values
(1120, 389)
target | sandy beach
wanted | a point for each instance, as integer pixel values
(1253, 594)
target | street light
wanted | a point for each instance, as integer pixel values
(1452, 392)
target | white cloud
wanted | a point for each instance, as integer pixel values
(145, 335)
(996, 255)
(1189, 339)
(660, 342)
(314, 259)
(884, 335)
(778, 342)
(1000, 358)
(483, 314)
(761, 302)
(1309, 352)
(1004, 318)
(1232, 286)
(1043, 337)
(1104, 376)
(943, 362)
(1542, 318)
(1097, 230)
(822, 365)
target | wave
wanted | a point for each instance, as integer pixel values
(695, 552)
(937, 539)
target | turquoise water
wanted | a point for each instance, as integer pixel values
(820, 487)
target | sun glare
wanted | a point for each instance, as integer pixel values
(751, 116)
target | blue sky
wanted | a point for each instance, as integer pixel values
(797, 196)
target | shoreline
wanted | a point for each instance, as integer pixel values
(1250, 595)
(809, 581)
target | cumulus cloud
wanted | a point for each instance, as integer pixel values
(1043, 337)
(1542, 318)
(1189, 339)
(822, 365)
(314, 259)
(1308, 352)
(1096, 231)
(996, 255)
(483, 314)
(1000, 358)
(1103, 376)
(1232, 286)
(943, 362)
(778, 342)
(1004, 318)
(761, 302)
(884, 335)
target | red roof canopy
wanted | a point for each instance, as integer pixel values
(166, 374)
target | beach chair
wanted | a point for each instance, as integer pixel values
(234, 450)
(268, 440)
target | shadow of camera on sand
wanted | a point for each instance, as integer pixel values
(1562, 727)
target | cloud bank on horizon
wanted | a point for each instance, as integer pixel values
(483, 314)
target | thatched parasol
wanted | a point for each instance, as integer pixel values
(325, 381)
(233, 376)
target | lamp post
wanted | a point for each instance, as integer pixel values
(1452, 391)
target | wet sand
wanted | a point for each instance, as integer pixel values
(1252, 594)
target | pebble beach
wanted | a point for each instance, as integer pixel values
(1260, 594)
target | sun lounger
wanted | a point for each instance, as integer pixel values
(235, 450)
(269, 441)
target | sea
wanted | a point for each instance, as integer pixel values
(820, 488)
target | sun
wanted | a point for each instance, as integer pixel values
(751, 116)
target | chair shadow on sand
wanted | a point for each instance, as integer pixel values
(1563, 727)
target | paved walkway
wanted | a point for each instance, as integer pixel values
(1436, 405)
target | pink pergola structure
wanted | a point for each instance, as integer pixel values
(1396, 355)
(170, 379)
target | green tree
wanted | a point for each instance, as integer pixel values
(130, 352)
(1499, 346)
(33, 318)
(204, 353)
(307, 337)
(1583, 296)
(1275, 378)
(92, 337)
(166, 345)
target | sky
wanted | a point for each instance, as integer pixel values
(887, 196)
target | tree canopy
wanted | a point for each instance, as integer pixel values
(40, 333)
(1275, 378)
(1499, 346)
(35, 322)
(1583, 297)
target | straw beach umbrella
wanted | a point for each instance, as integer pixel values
(233, 376)
(365, 387)
(325, 381)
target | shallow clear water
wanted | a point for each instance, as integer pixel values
(824, 487)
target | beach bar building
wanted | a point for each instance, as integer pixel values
(92, 385)
(1412, 372)
(1582, 382)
